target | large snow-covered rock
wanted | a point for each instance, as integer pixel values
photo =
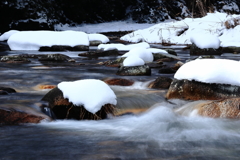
(206, 79)
(33, 40)
(91, 93)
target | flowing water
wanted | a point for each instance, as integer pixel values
(167, 130)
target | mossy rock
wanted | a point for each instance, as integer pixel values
(14, 59)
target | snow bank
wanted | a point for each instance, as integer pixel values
(180, 32)
(205, 41)
(140, 52)
(33, 40)
(91, 93)
(6, 35)
(133, 61)
(221, 71)
(98, 37)
(122, 47)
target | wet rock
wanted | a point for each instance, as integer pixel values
(64, 48)
(63, 109)
(158, 56)
(167, 70)
(202, 57)
(118, 81)
(14, 59)
(5, 90)
(231, 49)
(171, 51)
(46, 86)
(100, 53)
(4, 46)
(161, 83)
(134, 71)
(114, 63)
(194, 50)
(193, 90)
(15, 115)
(95, 43)
(54, 57)
(177, 65)
(227, 108)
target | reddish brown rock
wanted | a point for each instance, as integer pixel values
(193, 90)
(227, 108)
(20, 114)
(119, 82)
(161, 83)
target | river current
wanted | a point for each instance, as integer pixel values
(161, 132)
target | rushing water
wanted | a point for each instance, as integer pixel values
(167, 130)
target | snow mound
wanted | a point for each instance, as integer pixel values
(205, 41)
(122, 47)
(98, 37)
(143, 53)
(91, 93)
(180, 32)
(33, 40)
(133, 61)
(221, 71)
(5, 36)
(156, 50)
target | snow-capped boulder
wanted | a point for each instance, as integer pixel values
(144, 54)
(207, 79)
(83, 99)
(205, 44)
(97, 39)
(133, 61)
(34, 40)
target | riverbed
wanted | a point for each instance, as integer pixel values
(157, 133)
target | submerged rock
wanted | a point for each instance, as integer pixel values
(20, 114)
(55, 57)
(134, 71)
(114, 63)
(63, 109)
(64, 48)
(227, 108)
(193, 90)
(118, 81)
(161, 83)
(194, 50)
(14, 59)
(100, 53)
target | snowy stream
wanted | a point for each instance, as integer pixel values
(161, 132)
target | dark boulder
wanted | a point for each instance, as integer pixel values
(64, 48)
(14, 59)
(55, 57)
(6, 91)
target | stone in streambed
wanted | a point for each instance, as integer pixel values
(55, 57)
(100, 53)
(6, 91)
(14, 59)
(118, 81)
(64, 48)
(134, 71)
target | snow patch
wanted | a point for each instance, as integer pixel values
(98, 37)
(140, 52)
(91, 93)
(122, 47)
(205, 41)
